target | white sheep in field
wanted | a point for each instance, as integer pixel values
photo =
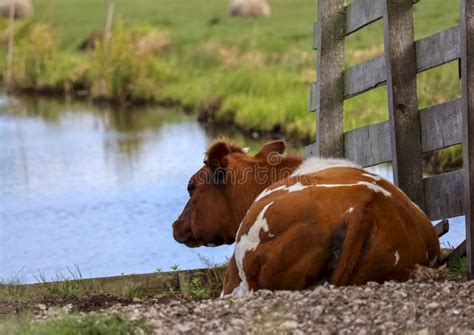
(249, 8)
(23, 8)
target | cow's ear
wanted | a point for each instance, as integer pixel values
(217, 162)
(277, 147)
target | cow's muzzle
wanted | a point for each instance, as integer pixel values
(182, 234)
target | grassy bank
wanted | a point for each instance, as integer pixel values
(251, 72)
(75, 324)
(73, 305)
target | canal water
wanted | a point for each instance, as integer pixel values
(97, 190)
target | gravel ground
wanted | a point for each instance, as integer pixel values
(391, 308)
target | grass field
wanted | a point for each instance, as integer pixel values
(251, 72)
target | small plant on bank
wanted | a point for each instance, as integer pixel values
(13, 290)
(197, 290)
(458, 268)
(38, 65)
(173, 292)
(134, 293)
(214, 276)
(70, 287)
(122, 70)
(457, 265)
(62, 288)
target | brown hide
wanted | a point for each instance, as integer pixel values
(339, 225)
(224, 188)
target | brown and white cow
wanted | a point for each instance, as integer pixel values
(307, 222)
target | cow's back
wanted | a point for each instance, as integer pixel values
(307, 228)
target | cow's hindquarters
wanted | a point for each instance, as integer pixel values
(359, 226)
(288, 261)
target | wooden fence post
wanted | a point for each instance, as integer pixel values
(11, 36)
(467, 70)
(400, 59)
(108, 25)
(331, 29)
(107, 32)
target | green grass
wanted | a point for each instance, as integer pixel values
(67, 288)
(13, 290)
(458, 268)
(90, 324)
(72, 288)
(63, 288)
(251, 72)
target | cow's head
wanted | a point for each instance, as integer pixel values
(224, 188)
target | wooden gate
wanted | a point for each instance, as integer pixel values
(410, 132)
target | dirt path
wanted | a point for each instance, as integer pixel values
(398, 308)
(445, 307)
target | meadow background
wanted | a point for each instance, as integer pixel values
(251, 73)
(248, 74)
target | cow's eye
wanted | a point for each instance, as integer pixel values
(191, 188)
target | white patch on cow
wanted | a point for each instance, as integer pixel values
(433, 262)
(350, 210)
(313, 165)
(372, 176)
(374, 187)
(397, 257)
(299, 187)
(249, 242)
(222, 294)
(246, 150)
(290, 188)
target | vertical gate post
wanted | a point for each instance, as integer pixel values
(11, 36)
(331, 30)
(108, 25)
(467, 71)
(400, 59)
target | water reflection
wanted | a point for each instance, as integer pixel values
(96, 188)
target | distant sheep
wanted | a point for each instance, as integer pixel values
(23, 8)
(249, 8)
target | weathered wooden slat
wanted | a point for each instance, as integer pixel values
(442, 228)
(467, 75)
(444, 195)
(362, 13)
(313, 97)
(431, 52)
(441, 126)
(364, 77)
(359, 14)
(400, 60)
(330, 62)
(368, 145)
(438, 49)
